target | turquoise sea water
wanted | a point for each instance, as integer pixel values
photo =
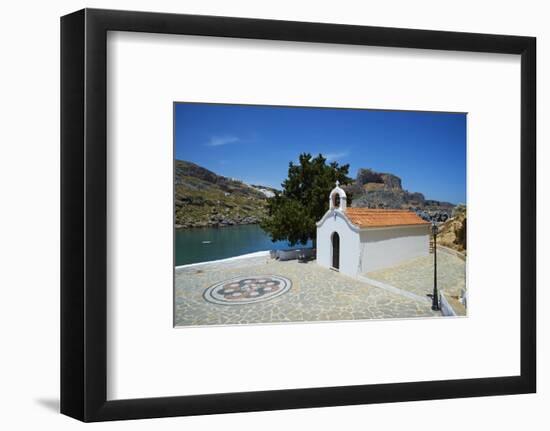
(204, 244)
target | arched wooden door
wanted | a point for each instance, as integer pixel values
(335, 250)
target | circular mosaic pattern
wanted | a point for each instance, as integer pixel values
(247, 290)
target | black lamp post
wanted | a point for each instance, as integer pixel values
(435, 296)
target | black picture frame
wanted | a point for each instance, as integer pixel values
(84, 214)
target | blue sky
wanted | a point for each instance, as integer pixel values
(427, 150)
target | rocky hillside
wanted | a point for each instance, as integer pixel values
(452, 233)
(204, 198)
(383, 190)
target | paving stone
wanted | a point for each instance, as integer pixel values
(317, 294)
(417, 275)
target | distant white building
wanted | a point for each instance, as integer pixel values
(360, 240)
(267, 193)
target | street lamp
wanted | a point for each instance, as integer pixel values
(435, 296)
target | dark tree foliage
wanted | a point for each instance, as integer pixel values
(292, 214)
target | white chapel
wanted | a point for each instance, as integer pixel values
(360, 240)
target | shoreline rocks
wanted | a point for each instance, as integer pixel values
(223, 222)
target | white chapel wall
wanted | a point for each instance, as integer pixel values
(381, 248)
(349, 244)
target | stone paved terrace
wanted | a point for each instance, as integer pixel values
(416, 275)
(317, 294)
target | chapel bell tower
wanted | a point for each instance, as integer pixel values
(337, 198)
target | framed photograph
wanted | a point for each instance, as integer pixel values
(331, 240)
(262, 215)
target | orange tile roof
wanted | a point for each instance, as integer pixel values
(369, 217)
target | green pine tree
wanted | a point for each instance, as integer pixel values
(292, 214)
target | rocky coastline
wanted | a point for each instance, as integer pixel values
(219, 222)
